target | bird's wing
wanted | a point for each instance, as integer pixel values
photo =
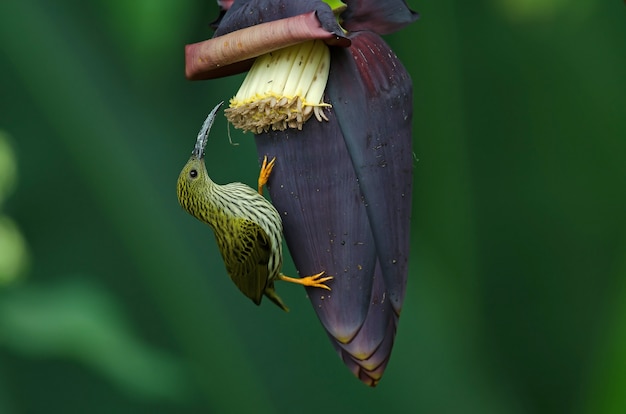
(247, 258)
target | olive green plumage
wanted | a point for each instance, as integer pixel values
(247, 227)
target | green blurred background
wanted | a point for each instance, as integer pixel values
(112, 299)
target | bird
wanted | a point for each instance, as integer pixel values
(247, 227)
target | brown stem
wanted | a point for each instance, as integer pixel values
(234, 52)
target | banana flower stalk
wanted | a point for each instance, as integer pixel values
(330, 100)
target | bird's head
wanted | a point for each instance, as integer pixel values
(194, 180)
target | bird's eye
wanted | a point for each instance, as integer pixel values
(193, 173)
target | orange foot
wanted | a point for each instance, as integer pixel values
(264, 174)
(313, 281)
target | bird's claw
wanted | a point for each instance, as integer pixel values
(264, 174)
(311, 281)
(316, 281)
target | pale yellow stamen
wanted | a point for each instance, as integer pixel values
(283, 89)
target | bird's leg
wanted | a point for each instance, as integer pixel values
(264, 174)
(313, 281)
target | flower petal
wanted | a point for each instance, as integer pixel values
(379, 144)
(246, 13)
(343, 188)
(316, 191)
(368, 353)
(382, 17)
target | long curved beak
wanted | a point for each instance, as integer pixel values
(203, 135)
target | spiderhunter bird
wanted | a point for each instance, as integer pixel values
(247, 227)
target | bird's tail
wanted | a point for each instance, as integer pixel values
(271, 293)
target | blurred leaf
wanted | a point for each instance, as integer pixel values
(8, 167)
(79, 321)
(14, 258)
(532, 10)
(13, 250)
(608, 369)
(6, 399)
(145, 29)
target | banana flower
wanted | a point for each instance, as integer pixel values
(330, 100)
